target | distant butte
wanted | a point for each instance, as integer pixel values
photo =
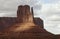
(24, 26)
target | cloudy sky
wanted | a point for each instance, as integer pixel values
(48, 10)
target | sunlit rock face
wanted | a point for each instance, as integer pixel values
(24, 26)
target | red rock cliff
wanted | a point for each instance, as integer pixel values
(24, 14)
(25, 26)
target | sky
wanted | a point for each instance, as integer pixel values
(48, 10)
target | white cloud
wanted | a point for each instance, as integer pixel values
(8, 8)
(53, 28)
(49, 1)
(8, 4)
(50, 9)
(8, 14)
(51, 16)
(54, 18)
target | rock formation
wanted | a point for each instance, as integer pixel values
(25, 26)
(24, 14)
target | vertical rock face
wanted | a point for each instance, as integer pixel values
(24, 14)
(39, 22)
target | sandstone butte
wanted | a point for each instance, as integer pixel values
(24, 26)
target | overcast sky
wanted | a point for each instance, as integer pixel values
(48, 10)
